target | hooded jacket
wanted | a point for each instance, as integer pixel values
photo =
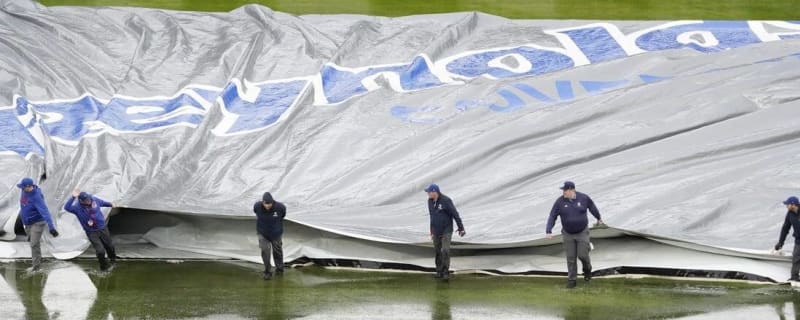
(33, 209)
(88, 213)
(270, 222)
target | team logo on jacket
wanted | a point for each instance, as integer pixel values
(579, 203)
(440, 206)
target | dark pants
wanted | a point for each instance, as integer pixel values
(441, 245)
(101, 241)
(577, 247)
(795, 260)
(272, 245)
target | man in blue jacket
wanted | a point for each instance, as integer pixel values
(270, 214)
(87, 209)
(442, 213)
(35, 216)
(571, 207)
(792, 221)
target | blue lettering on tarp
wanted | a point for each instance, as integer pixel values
(513, 102)
(15, 137)
(564, 89)
(730, 34)
(416, 114)
(340, 85)
(533, 92)
(596, 87)
(74, 119)
(596, 44)
(477, 64)
(647, 78)
(273, 100)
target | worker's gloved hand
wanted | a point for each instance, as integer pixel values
(778, 247)
(53, 232)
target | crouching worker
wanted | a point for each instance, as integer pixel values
(87, 209)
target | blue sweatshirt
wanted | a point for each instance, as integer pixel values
(33, 209)
(792, 221)
(270, 222)
(443, 212)
(572, 213)
(88, 213)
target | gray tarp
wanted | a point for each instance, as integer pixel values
(681, 130)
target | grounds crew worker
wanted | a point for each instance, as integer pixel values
(35, 216)
(792, 220)
(87, 209)
(442, 213)
(571, 207)
(270, 214)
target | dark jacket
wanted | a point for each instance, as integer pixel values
(442, 213)
(270, 222)
(33, 209)
(792, 221)
(87, 213)
(572, 213)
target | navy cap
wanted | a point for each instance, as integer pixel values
(84, 197)
(568, 185)
(792, 200)
(25, 182)
(432, 188)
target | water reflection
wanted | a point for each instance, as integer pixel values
(209, 290)
(782, 311)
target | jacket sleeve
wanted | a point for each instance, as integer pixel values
(69, 204)
(282, 211)
(551, 220)
(784, 230)
(255, 208)
(41, 207)
(593, 208)
(103, 203)
(452, 209)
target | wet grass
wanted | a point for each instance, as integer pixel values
(156, 289)
(517, 9)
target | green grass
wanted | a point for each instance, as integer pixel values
(158, 290)
(517, 9)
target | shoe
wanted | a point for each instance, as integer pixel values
(279, 271)
(446, 276)
(267, 275)
(794, 278)
(35, 268)
(587, 276)
(571, 284)
(438, 275)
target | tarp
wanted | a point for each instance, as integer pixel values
(680, 130)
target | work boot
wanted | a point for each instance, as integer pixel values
(571, 284)
(438, 275)
(279, 271)
(267, 275)
(446, 276)
(587, 276)
(103, 262)
(113, 260)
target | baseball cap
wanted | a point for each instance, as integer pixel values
(568, 185)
